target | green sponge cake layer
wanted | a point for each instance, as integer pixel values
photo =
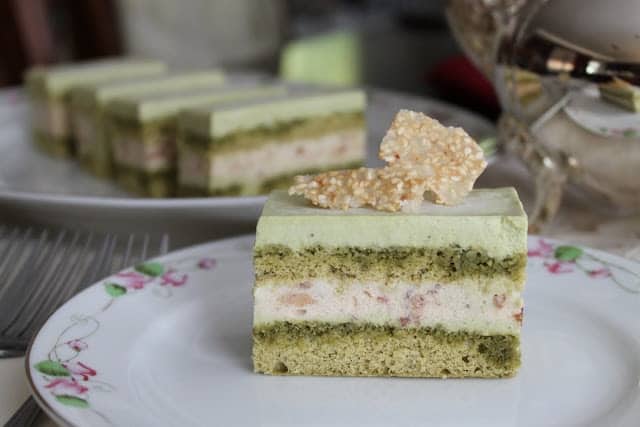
(281, 264)
(350, 349)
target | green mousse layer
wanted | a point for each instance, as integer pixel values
(350, 349)
(285, 131)
(488, 219)
(281, 264)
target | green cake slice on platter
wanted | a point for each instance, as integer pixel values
(49, 91)
(89, 102)
(142, 132)
(252, 146)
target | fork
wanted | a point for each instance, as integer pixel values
(39, 271)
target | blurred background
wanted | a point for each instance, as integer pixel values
(403, 45)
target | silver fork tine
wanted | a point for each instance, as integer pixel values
(93, 274)
(13, 250)
(71, 281)
(107, 262)
(145, 245)
(34, 260)
(124, 263)
(164, 244)
(22, 273)
(44, 291)
(18, 289)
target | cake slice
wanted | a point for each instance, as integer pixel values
(251, 147)
(361, 292)
(88, 103)
(49, 88)
(142, 132)
(621, 93)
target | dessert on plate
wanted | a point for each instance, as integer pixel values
(48, 89)
(142, 132)
(88, 103)
(376, 281)
(621, 93)
(249, 147)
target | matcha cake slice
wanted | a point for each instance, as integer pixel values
(142, 132)
(362, 292)
(251, 147)
(49, 89)
(88, 103)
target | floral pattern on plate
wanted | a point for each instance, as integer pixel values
(69, 378)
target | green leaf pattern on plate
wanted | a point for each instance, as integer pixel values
(52, 368)
(69, 400)
(567, 253)
(153, 269)
(115, 290)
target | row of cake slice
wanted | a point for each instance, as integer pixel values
(193, 133)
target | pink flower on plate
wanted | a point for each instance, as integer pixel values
(543, 250)
(133, 279)
(66, 385)
(207, 263)
(77, 345)
(558, 267)
(600, 272)
(173, 279)
(81, 370)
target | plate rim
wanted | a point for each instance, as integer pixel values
(227, 242)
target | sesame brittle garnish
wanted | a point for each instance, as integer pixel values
(387, 188)
(422, 156)
(446, 157)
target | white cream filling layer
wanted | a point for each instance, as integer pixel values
(452, 306)
(270, 159)
(158, 153)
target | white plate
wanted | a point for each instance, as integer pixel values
(37, 188)
(177, 352)
(600, 117)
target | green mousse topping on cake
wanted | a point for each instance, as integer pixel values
(89, 103)
(435, 292)
(252, 147)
